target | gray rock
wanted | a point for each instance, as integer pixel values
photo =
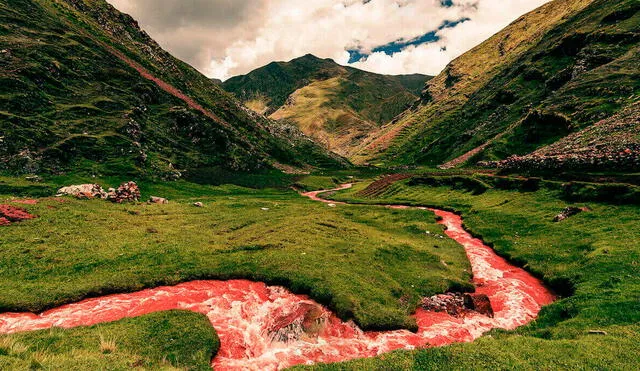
(158, 200)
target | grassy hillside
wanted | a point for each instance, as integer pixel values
(555, 71)
(592, 259)
(82, 88)
(337, 106)
(613, 143)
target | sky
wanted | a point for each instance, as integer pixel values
(224, 38)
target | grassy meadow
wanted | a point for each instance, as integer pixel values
(173, 340)
(593, 259)
(79, 248)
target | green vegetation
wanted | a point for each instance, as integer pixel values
(73, 98)
(79, 248)
(337, 106)
(172, 340)
(556, 70)
(593, 259)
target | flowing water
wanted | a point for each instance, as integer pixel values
(268, 328)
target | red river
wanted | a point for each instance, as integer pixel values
(269, 328)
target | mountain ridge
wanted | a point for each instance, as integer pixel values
(559, 65)
(98, 95)
(334, 104)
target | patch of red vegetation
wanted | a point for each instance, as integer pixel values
(268, 328)
(9, 214)
(379, 186)
(164, 85)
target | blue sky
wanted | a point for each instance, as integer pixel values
(397, 46)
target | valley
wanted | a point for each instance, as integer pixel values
(312, 215)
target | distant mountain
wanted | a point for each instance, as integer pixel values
(553, 72)
(337, 106)
(83, 89)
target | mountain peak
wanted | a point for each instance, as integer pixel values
(336, 105)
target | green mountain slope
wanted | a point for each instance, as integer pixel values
(83, 89)
(337, 106)
(554, 71)
(612, 143)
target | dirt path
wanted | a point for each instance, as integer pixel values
(269, 328)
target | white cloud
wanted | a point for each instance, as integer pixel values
(223, 38)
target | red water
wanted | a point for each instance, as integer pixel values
(267, 328)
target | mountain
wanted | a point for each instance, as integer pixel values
(337, 106)
(555, 71)
(84, 89)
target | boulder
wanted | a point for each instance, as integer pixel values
(158, 200)
(567, 213)
(127, 192)
(83, 191)
(456, 304)
(479, 303)
(452, 304)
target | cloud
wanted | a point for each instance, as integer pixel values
(223, 38)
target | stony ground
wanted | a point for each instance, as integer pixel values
(613, 143)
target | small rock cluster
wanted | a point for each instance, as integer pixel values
(457, 304)
(126, 192)
(11, 214)
(569, 212)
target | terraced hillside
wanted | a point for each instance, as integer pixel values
(84, 89)
(337, 106)
(611, 143)
(554, 71)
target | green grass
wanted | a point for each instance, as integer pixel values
(593, 258)
(79, 248)
(82, 248)
(173, 340)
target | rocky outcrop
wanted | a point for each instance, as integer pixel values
(479, 303)
(84, 191)
(457, 304)
(158, 200)
(612, 143)
(127, 192)
(569, 212)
